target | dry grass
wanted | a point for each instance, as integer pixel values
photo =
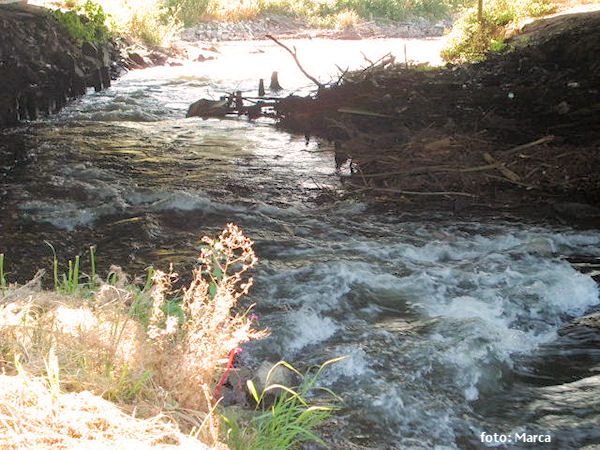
(231, 10)
(164, 373)
(346, 19)
(33, 416)
(186, 357)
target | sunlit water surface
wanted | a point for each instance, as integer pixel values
(449, 327)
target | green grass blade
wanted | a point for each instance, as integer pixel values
(2, 278)
(54, 265)
(253, 391)
(92, 266)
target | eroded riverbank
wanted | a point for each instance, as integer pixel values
(41, 68)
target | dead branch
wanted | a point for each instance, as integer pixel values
(367, 59)
(380, 60)
(518, 183)
(420, 193)
(518, 148)
(433, 169)
(509, 174)
(295, 56)
(342, 74)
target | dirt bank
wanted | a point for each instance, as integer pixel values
(519, 132)
(41, 68)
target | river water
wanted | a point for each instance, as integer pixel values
(450, 327)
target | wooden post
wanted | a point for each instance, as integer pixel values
(274, 86)
(239, 102)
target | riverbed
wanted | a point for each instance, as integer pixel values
(449, 326)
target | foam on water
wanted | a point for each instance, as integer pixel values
(309, 328)
(62, 214)
(480, 299)
(106, 194)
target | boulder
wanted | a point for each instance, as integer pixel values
(137, 60)
(208, 108)
(268, 374)
(588, 323)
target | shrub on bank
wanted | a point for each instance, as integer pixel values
(85, 23)
(471, 40)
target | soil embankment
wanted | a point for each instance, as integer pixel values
(518, 132)
(41, 68)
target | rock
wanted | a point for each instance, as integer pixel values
(158, 59)
(280, 25)
(239, 414)
(89, 49)
(91, 62)
(563, 108)
(208, 108)
(589, 265)
(266, 376)
(577, 210)
(138, 60)
(591, 322)
(202, 58)
(349, 35)
(104, 55)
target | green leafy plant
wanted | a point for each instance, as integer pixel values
(398, 9)
(52, 373)
(318, 12)
(471, 39)
(125, 389)
(290, 420)
(92, 282)
(141, 304)
(86, 23)
(497, 45)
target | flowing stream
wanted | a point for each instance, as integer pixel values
(450, 327)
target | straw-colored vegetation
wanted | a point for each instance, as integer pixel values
(153, 354)
(105, 364)
(36, 414)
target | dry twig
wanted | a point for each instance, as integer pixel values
(295, 56)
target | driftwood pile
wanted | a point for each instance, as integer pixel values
(521, 128)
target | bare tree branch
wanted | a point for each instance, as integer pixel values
(295, 56)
